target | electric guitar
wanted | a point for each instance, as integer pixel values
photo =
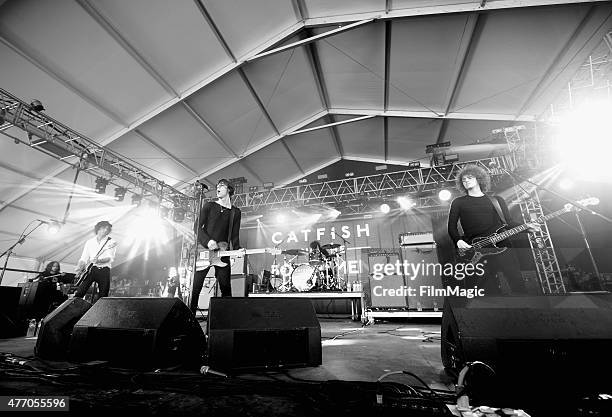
(487, 246)
(82, 273)
(207, 258)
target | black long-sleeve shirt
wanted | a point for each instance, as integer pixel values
(214, 224)
(478, 217)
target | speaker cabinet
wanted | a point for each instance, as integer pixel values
(10, 325)
(251, 333)
(36, 298)
(56, 329)
(138, 332)
(555, 336)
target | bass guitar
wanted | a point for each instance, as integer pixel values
(207, 258)
(487, 246)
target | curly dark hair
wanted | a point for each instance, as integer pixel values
(483, 178)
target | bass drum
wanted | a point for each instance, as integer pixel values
(304, 277)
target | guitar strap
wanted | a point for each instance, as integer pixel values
(498, 209)
(229, 230)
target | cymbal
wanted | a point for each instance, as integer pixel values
(294, 252)
(331, 246)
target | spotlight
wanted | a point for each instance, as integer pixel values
(120, 193)
(253, 188)
(101, 184)
(136, 199)
(36, 105)
(164, 211)
(444, 195)
(178, 214)
(280, 218)
(53, 227)
(566, 184)
(268, 185)
(405, 203)
(385, 208)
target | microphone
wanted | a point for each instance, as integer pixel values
(201, 183)
(206, 370)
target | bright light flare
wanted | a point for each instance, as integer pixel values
(281, 218)
(444, 195)
(405, 203)
(566, 184)
(585, 141)
(146, 229)
(384, 208)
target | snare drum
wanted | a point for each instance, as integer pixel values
(304, 277)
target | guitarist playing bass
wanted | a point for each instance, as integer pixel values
(95, 263)
(219, 223)
(481, 215)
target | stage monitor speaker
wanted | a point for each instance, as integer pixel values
(36, 298)
(56, 329)
(252, 333)
(555, 336)
(138, 332)
(9, 312)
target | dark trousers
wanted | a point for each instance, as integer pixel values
(507, 263)
(223, 276)
(99, 275)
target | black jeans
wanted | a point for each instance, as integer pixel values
(508, 264)
(99, 275)
(223, 276)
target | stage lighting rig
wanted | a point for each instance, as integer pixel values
(120, 193)
(101, 184)
(37, 106)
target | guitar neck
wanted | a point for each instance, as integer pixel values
(241, 251)
(498, 237)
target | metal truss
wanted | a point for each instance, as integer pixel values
(544, 256)
(354, 194)
(55, 139)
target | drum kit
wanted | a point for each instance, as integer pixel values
(318, 272)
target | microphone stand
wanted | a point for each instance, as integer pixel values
(345, 261)
(9, 251)
(518, 177)
(200, 190)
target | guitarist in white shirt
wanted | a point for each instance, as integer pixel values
(219, 222)
(479, 218)
(96, 260)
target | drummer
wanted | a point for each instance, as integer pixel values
(317, 252)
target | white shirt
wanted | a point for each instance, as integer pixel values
(91, 250)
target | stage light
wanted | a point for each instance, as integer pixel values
(136, 199)
(281, 218)
(444, 195)
(414, 164)
(178, 214)
(566, 184)
(36, 105)
(303, 181)
(335, 213)
(385, 208)
(405, 203)
(101, 184)
(253, 188)
(268, 185)
(584, 141)
(53, 227)
(120, 193)
(164, 211)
